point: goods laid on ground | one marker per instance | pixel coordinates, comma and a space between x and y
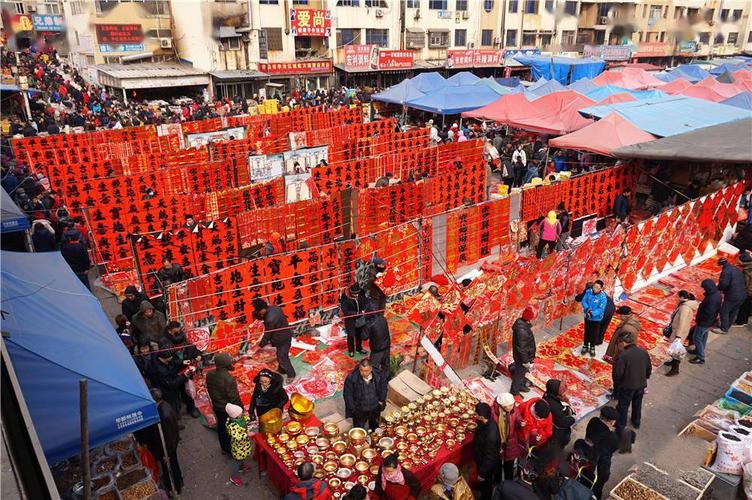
647, 481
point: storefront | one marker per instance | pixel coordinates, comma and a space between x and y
371, 66
152, 80
657, 53
309, 74
243, 82
482, 62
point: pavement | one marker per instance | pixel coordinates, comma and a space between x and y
667, 408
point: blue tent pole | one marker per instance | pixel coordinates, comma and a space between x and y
84, 410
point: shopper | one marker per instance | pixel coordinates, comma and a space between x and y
352, 307
521, 488
268, 393
394, 482
171, 431
379, 339
277, 332
593, 306
707, 313
629, 329
630, 375
237, 429
170, 273
308, 488
604, 441
565, 219
77, 256
550, 231
745, 262
523, 350
681, 321
365, 395
149, 324
562, 415
621, 205
536, 426
223, 390
486, 448
131, 302
507, 412
731, 283
187, 355
450, 485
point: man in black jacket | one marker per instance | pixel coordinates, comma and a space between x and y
565, 219
187, 354
379, 340
705, 318
170, 273
351, 305
222, 389
77, 256
365, 395
562, 415
166, 375
171, 430
731, 283
486, 448
132, 302
621, 205
630, 377
600, 434
523, 350
277, 332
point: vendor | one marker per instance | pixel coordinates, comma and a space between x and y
395, 482
450, 485
268, 393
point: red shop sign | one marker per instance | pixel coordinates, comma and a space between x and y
487, 57
473, 58
116, 34
395, 59
361, 57
459, 58
310, 22
295, 68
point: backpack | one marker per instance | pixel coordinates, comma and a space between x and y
572, 489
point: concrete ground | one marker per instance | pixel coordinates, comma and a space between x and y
667, 408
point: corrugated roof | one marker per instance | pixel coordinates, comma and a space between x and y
148, 70
238, 74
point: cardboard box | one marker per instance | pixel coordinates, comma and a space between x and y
343, 423
400, 394
414, 382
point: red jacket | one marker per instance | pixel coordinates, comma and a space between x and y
511, 448
536, 431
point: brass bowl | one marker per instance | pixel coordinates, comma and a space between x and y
317, 459
339, 446
294, 428
283, 438
271, 421
405, 410
344, 473
347, 460
349, 485
323, 443
451, 443
386, 453
368, 454
361, 466
298, 461
312, 450
280, 449
357, 435
363, 479
396, 417
386, 443
471, 426
460, 437
291, 445
444, 390
436, 393
407, 464
302, 439
401, 431
271, 440
300, 407
299, 454
312, 432
374, 470
440, 428
319, 474
412, 407
331, 429
454, 422
330, 455
402, 446
330, 466
449, 434
411, 437
335, 482
421, 431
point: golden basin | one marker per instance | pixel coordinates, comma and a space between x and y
331, 429
271, 421
294, 428
368, 454
330, 466
300, 407
335, 482
323, 443
386, 443
339, 446
361, 466
302, 439
357, 435
347, 460
312, 432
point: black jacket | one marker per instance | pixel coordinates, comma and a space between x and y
222, 389
486, 447
44, 241
632, 369
515, 489
562, 419
410, 480
523, 342
166, 377
565, 219
605, 441
172, 275
708, 310
131, 307
376, 297
351, 310
353, 390
77, 257
377, 333
621, 206
169, 420
731, 283
274, 397
277, 330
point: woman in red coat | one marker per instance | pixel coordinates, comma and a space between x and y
535, 426
507, 412
395, 483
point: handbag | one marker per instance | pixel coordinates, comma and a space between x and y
667, 331
360, 322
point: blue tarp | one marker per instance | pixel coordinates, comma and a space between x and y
690, 72
742, 100
719, 70
558, 68
583, 86
491, 84
512, 81
399, 94
427, 82
12, 219
607, 90
56, 334
463, 78
8, 87
535, 91
452, 100
671, 115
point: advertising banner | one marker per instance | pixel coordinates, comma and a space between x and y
48, 23
119, 34
310, 22
395, 59
297, 68
361, 57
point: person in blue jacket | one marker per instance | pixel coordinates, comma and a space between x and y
593, 306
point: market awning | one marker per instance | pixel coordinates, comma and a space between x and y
453, 100
741, 100
238, 75
543, 87
13, 219
555, 113
676, 86
150, 76
690, 72
398, 94
603, 136
426, 82
727, 142
505, 109
57, 334
583, 86
629, 78
561, 68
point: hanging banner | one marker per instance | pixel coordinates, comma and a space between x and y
473, 58
228, 134
395, 59
310, 22
301, 161
361, 57
459, 58
295, 68
48, 23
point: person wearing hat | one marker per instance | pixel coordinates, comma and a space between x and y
507, 413
523, 350
237, 430
604, 441
277, 332
450, 485
395, 482
131, 302
681, 322
268, 393
562, 416
486, 447
148, 323
308, 488
521, 488
352, 307
628, 330
550, 230
731, 284
167, 374
374, 293
745, 263
222, 389
593, 301
630, 376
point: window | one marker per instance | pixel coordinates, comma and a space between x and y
159, 33
104, 6
347, 37
600, 36
645, 10
737, 15
511, 38
549, 5
232, 43
528, 38
570, 8
567, 37
378, 37
724, 15
719, 39
531, 6
604, 9
157, 7
77, 8
709, 14
705, 37
639, 36
274, 38
545, 39
413, 4
486, 38
662, 37
48, 8
381, 4
732, 38
437, 4
263, 45
19, 7
438, 39
749, 37
678, 11
513, 6
460, 38
269, 2
488, 5
300, 2
460, 5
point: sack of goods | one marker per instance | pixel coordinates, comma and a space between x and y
677, 350
730, 456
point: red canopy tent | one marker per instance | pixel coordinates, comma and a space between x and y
617, 98
629, 78
603, 136
556, 113
676, 86
725, 89
701, 92
742, 75
506, 108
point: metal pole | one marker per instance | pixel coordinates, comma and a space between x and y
167, 460
569, 259
417, 348
85, 465
27, 108
125, 97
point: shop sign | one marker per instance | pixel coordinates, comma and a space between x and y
118, 34
361, 57
125, 47
395, 59
310, 22
473, 58
48, 23
687, 47
510, 54
652, 49
21, 23
608, 52
296, 68
725, 49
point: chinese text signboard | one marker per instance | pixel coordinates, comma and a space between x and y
608, 52
361, 57
473, 58
395, 59
652, 49
310, 22
295, 68
48, 23
119, 34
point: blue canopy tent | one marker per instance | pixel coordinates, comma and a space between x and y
428, 82
719, 70
511, 81
534, 91
741, 100
690, 72
491, 84
399, 94
583, 86
607, 90
463, 78
56, 334
452, 100
12, 218
671, 115
558, 68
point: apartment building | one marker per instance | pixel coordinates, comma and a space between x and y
29, 20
